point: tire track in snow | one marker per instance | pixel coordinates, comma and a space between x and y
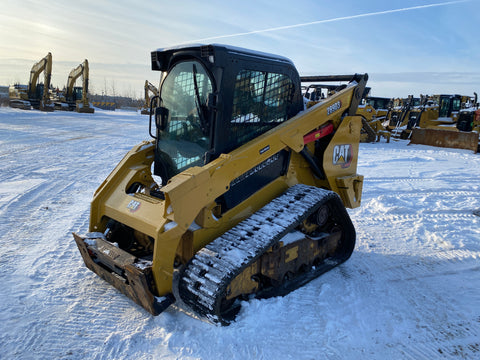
445, 216
437, 264
57, 291
422, 259
47, 260
43, 145
423, 193
400, 179
79, 291
436, 327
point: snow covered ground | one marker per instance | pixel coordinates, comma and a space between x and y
411, 289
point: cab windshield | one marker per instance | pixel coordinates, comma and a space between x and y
184, 139
445, 104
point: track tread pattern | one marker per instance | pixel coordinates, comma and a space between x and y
206, 277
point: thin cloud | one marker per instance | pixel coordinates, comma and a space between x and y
329, 20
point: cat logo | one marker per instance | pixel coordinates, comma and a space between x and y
343, 155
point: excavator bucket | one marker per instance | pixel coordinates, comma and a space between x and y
445, 138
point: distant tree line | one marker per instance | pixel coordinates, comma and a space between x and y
120, 101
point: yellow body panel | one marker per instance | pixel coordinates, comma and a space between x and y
430, 119
367, 111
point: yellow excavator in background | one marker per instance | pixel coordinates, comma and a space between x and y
77, 96
149, 88
34, 95
242, 192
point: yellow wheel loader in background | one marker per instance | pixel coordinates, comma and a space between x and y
240, 194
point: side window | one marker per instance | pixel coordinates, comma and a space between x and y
261, 101
247, 96
456, 104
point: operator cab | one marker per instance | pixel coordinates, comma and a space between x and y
449, 104
378, 102
215, 98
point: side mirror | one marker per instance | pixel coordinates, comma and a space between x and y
152, 101
161, 117
213, 101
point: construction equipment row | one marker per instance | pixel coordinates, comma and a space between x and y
439, 120
446, 120
42, 96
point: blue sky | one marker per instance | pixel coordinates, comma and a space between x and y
407, 47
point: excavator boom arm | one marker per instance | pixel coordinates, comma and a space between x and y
44, 65
149, 88
83, 71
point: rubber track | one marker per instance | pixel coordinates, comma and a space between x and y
206, 277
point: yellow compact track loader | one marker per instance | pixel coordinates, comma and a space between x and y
240, 194
381, 106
